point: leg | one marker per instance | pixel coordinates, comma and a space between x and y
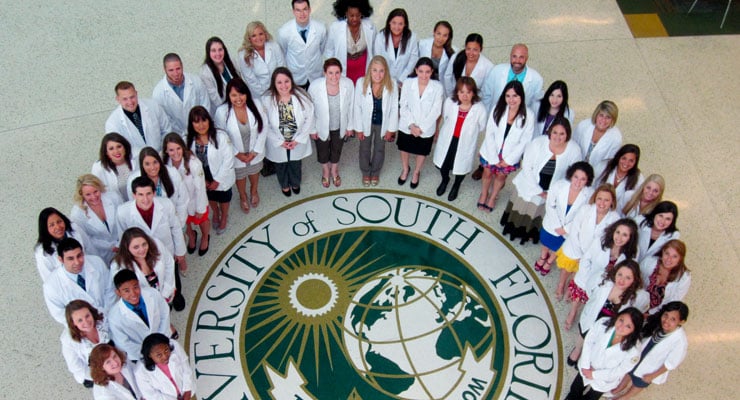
417, 169
623, 385
575, 306
254, 180
365, 156
378, 152
281, 170
544, 255
575, 354
485, 187
294, 175
455, 187
564, 277
634, 390
499, 180
445, 174
576, 388
216, 214
404, 168
325, 174
224, 209
241, 187
205, 231
192, 237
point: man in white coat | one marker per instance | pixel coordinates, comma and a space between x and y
140, 312
303, 40
516, 69
81, 278
178, 92
141, 121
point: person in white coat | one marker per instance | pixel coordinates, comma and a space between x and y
139, 312
141, 121
508, 131
214, 150
375, 118
244, 121
290, 122
86, 328
178, 92
177, 155
657, 228
598, 136
623, 173
350, 39
421, 106
53, 226
94, 213
113, 375
666, 276
463, 119
303, 40
167, 181
516, 69
664, 347
439, 48
81, 278
398, 45
115, 163
645, 197
467, 62
332, 98
611, 349
258, 57
164, 372
217, 71
553, 105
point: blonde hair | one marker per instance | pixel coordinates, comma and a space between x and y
387, 82
637, 196
609, 108
86, 180
247, 45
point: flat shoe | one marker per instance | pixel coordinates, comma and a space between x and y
324, 182
374, 181
255, 200
366, 181
337, 181
245, 206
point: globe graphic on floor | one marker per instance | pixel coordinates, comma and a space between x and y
408, 329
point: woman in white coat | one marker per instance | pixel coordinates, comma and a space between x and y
113, 376
598, 136
94, 213
244, 121
657, 228
351, 38
623, 173
290, 122
332, 98
86, 328
258, 57
150, 260
217, 71
553, 105
611, 349
115, 164
375, 118
666, 277
463, 119
664, 347
439, 48
53, 226
214, 150
398, 45
167, 181
164, 372
467, 62
509, 129
645, 198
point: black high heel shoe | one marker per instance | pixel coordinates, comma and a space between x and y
202, 252
402, 181
414, 185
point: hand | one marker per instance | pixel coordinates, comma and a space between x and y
182, 263
360, 136
115, 249
588, 373
314, 136
389, 136
560, 231
286, 145
213, 185
199, 215
349, 133
543, 195
415, 130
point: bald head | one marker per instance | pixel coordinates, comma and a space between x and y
519, 56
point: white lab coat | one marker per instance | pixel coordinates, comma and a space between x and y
420, 109
76, 354
478, 74
155, 385
165, 225
670, 352
258, 74
593, 262
556, 206
304, 119
402, 64
336, 41
474, 124
195, 185
623, 194
609, 362
603, 151
225, 119
128, 331
519, 136
539, 126
674, 291
646, 249
154, 120
425, 50
597, 294
363, 112
46, 263
110, 178
320, 98
102, 237
497, 78
114, 391
221, 160
164, 268
585, 230
179, 199
536, 154
194, 94
304, 59
209, 82
60, 289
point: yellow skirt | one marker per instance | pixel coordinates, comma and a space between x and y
565, 262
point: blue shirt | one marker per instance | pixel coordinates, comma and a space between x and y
518, 77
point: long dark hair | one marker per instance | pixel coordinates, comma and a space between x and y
421, 62
164, 175
148, 344
662, 207
459, 63
241, 87
199, 113
214, 69
630, 248
630, 340
45, 239
630, 293
544, 110
633, 175
125, 259
501, 105
448, 44
103, 156
405, 35
175, 138
653, 325
297, 91
75, 305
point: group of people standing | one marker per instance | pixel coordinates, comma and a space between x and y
167, 167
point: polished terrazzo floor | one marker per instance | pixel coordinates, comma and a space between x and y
677, 97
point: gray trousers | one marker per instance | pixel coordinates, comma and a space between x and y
372, 152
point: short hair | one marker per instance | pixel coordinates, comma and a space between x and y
76, 305
332, 62
469, 82
609, 108
123, 276
660, 208
608, 188
171, 57
630, 248
98, 355
142, 181
124, 85
561, 121
653, 325
148, 344
86, 180
293, 3
106, 162
633, 338
67, 244
340, 7
45, 239
581, 166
